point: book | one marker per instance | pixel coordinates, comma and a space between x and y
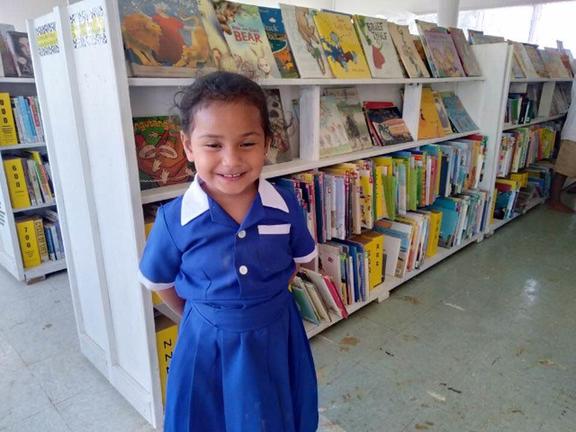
246, 37
20, 48
536, 60
413, 64
17, 184
467, 57
8, 134
28, 239
280, 148
423, 26
7, 66
430, 125
477, 37
378, 47
333, 135
341, 45
457, 114
165, 39
523, 60
386, 123
443, 54
221, 54
442, 114
160, 154
304, 301
553, 62
305, 41
278, 39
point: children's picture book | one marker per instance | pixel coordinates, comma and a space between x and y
280, 149
165, 39
305, 41
221, 54
552, 59
536, 60
278, 39
477, 37
7, 66
20, 48
341, 45
442, 114
430, 125
378, 47
457, 114
443, 54
386, 123
246, 37
161, 158
415, 67
524, 63
423, 26
469, 62
333, 135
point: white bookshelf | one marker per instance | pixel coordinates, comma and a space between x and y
89, 112
10, 254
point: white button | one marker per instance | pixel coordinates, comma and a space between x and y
243, 270
242, 234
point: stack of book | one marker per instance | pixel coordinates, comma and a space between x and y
40, 238
21, 122
29, 180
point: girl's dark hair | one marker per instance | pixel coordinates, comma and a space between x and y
220, 86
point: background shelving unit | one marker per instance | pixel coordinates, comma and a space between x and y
10, 255
89, 112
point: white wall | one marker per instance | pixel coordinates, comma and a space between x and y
16, 12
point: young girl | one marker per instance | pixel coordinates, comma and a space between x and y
222, 255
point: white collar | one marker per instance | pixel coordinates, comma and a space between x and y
195, 200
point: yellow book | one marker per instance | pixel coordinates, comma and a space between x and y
512, 183
8, 134
15, 176
341, 45
374, 247
41, 239
166, 335
520, 178
28, 243
379, 201
434, 237
430, 125
366, 194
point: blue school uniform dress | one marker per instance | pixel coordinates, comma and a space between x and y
242, 362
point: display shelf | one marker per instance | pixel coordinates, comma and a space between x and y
508, 126
25, 146
44, 269
499, 223
16, 80
540, 80
295, 166
36, 207
182, 82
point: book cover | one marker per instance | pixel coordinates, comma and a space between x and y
442, 114
246, 37
378, 47
17, 184
305, 41
423, 26
8, 133
20, 48
457, 113
333, 135
469, 62
7, 66
523, 59
536, 60
430, 125
304, 303
28, 242
161, 158
387, 123
413, 64
341, 45
278, 39
165, 39
280, 149
443, 54
221, 54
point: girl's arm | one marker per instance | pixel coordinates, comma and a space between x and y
172, 300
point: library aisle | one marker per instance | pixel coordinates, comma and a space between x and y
480, 342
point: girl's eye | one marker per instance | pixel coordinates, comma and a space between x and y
248, 144
213, 145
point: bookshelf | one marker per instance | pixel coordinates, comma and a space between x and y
10, 252
89, 113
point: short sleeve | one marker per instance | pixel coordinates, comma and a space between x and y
301, 241
160, 263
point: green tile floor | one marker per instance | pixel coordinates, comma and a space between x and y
485, 342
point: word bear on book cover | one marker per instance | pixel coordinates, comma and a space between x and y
161, 158
165, 39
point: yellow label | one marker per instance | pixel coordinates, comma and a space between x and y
28, 243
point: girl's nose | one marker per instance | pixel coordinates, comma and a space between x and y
231, 157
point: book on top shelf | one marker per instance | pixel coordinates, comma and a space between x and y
305, 41
443, 53
534, 57
378, 47
566, 57
20, 49
423, 26
469, 62
165, 39
415, 67
246, 37
553, 62
477, 37
278, 39
161, 157
221, 54
7, 65
341, 45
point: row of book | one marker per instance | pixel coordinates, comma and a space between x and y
40, 238
20, 120
516, 192
524, 146
198, 36
520, 109
15, 58
29, 179
342, 200
531, 62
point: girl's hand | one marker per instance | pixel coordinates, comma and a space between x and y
172, 300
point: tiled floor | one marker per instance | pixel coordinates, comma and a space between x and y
482, 342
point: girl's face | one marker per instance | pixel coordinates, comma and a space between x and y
228, 147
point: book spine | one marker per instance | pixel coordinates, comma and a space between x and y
33, 105
8, 132
28, 243
49, 242
41, 239
32, 176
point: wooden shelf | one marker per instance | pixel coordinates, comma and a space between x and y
182, 82
508, 126
44, 269
298, 165
23, 146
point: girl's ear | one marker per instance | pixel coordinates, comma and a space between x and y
187, 144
